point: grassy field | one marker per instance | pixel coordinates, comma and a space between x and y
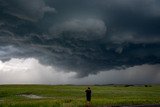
74, 96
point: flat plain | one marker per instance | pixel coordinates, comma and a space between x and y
74, 96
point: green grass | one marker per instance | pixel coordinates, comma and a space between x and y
74, 96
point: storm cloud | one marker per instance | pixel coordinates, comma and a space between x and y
85, 37
88, 29
26, 10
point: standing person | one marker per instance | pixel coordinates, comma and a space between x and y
88, 94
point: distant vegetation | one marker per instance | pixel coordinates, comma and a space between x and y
74, 96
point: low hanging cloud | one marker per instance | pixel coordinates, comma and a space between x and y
85, 29
30, 71
144, 74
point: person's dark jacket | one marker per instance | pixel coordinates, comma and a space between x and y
88, 94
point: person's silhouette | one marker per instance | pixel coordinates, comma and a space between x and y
88, 94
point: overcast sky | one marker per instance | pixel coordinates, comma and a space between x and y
79, 41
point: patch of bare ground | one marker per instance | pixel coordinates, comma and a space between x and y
31, 96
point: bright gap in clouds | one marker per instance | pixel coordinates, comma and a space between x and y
30, 71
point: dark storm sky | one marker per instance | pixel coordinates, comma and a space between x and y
84, 36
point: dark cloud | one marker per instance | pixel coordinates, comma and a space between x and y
83, 36
88, 29
27, 10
